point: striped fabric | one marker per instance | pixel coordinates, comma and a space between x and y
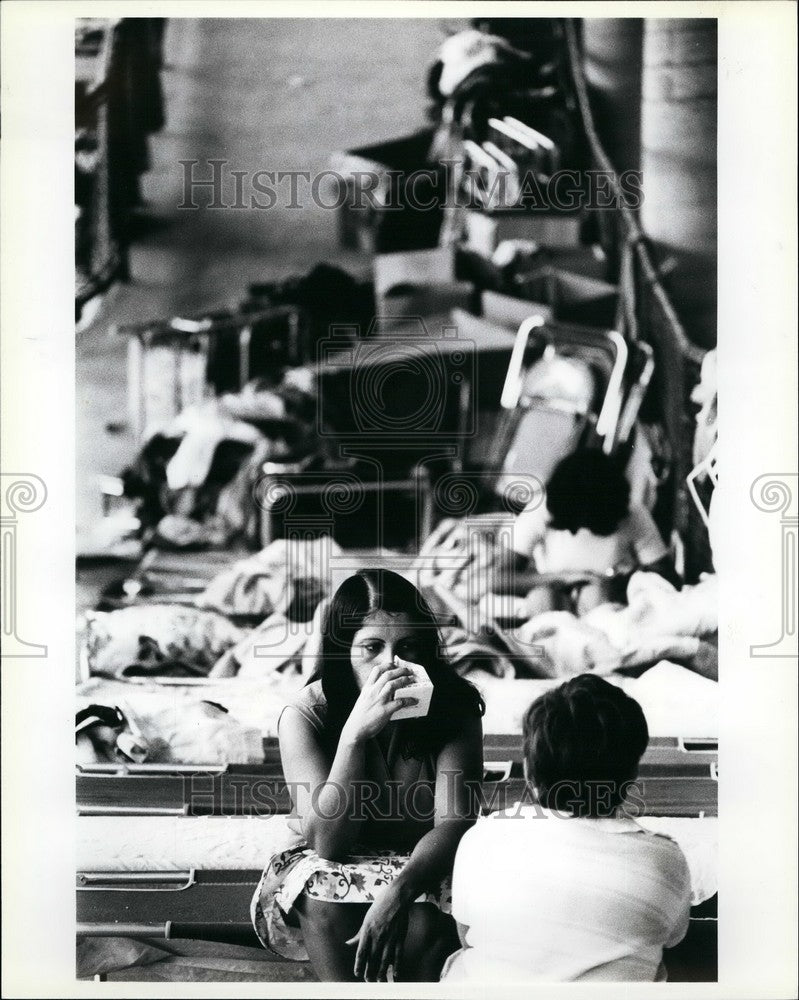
550, 898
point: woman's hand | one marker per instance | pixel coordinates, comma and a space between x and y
376, 703
382, 936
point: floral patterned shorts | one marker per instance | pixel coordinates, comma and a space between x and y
299, 869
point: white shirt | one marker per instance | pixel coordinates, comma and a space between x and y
636, 542
550, 898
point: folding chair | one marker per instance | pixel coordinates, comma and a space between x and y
540, 431
168, 360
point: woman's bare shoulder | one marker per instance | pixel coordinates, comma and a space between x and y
309, 703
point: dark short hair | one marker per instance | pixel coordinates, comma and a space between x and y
588, 489
583, 742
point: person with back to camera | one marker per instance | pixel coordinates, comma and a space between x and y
586, 525
379, 804
567, 889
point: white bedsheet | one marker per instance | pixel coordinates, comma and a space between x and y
178, 843
675, 701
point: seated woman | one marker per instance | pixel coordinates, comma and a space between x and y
586, 530
379, 804
582, 893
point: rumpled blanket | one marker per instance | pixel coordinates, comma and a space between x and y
467, 654
286, 572
658, 623
562, 644
201, 732
254, 703
254, 403
201, 429
276, 646
155, 639
459, 555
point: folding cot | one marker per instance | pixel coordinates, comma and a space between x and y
224, 811
173, 851
677, 777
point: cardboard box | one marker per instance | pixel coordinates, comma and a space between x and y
425, 300
414, 267
588, 261
511, 312
486, 230
421, 689
377, 210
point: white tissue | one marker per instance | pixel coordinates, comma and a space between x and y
421, 689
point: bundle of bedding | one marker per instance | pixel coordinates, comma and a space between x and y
168, 731
168, 640
287, 572
206, 722
193, 479
460, 556
278, 646
658, 623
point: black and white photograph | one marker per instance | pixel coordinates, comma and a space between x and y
410, 633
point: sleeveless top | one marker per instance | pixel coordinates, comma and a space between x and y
398, 798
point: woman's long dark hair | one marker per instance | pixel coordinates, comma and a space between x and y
454, 698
